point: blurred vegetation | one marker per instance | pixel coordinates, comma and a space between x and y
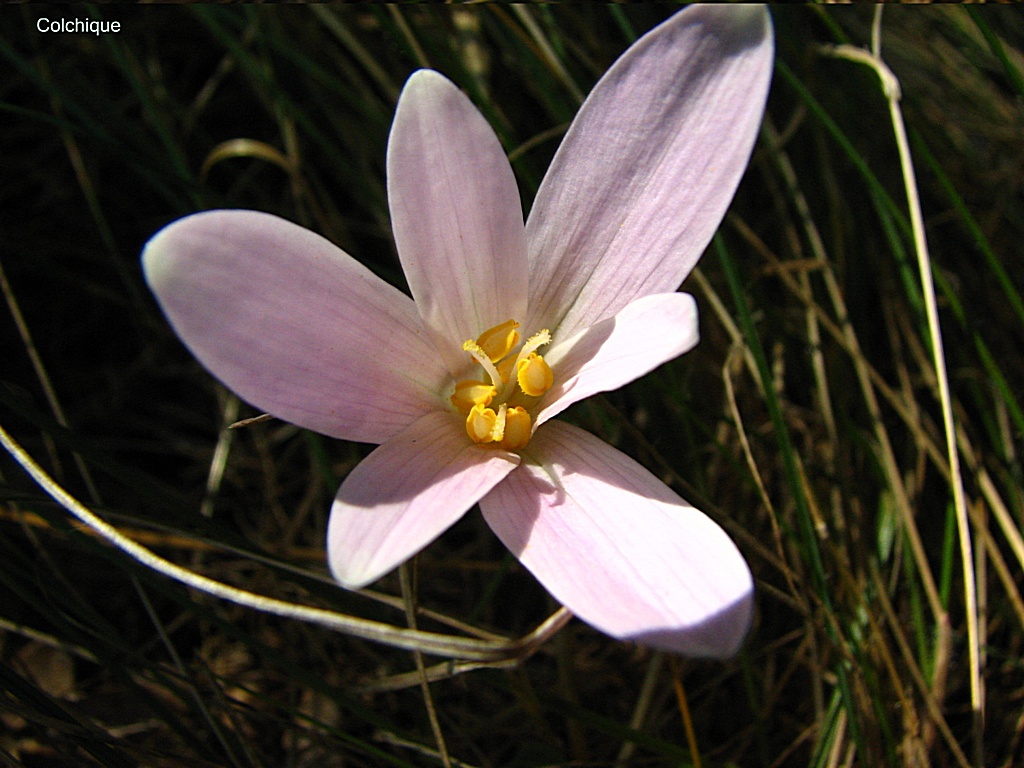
807, 421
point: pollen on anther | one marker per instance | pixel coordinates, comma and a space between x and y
471, 392
490, 417
480, 424
517, 429
498, 341
534, 375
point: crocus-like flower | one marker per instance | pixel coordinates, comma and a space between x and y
507, 326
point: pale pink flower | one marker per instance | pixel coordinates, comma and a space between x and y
580, 300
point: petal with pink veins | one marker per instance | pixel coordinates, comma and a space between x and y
616, 351
619, 549
651, 162
456, 215
294, 325
407, 493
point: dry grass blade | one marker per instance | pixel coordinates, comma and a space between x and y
891, 90
426, 642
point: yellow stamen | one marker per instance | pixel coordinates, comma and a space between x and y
534, 375
498, 341
517, 429
531, 346
480, 424
471, 392
506, 425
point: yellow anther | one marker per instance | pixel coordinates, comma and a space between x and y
517, 429
480, 424
534, 375
471, 392
508, 426
498, 341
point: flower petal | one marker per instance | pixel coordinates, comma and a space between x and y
294, 325
619, 549
456, 215
643, 177
606, 356
405, 494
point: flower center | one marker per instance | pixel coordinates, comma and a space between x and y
511, 382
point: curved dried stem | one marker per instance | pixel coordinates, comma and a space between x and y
449, 646
891, 90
